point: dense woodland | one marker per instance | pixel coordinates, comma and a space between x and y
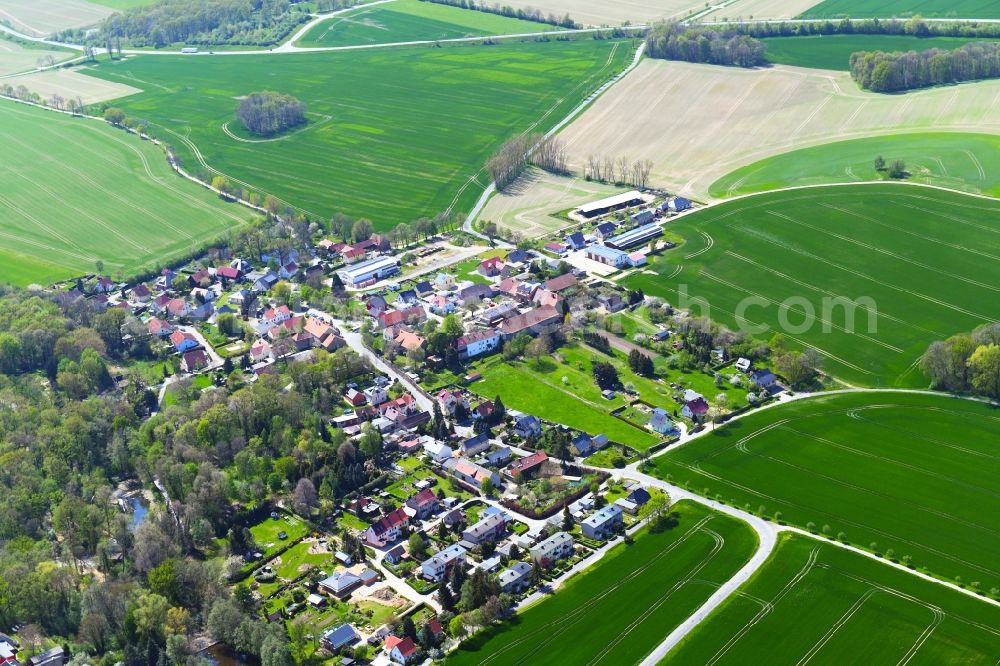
248, 22
268, 113
967, 363
674, 41
891, 72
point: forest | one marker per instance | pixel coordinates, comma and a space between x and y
892, 72
674, 41
966, 363
237, 22
268, 113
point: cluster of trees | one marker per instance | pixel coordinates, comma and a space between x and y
915, 26
508, 163
349, 230
966, 363
618, 170
597, 341
267, 113
528, 14
641, 364
889, 72
550, 154
247, 22
675, 41
897, 169
605, 375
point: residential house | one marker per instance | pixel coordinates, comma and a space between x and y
633, 501
159, 327
556, 248
496, 314
104, 285
583, 445
410, 341
491, 528
260, 351
437, 567
275, 316
483, 410
376, 305
388, 529
576, 241
355, 397
659, 421
763, 379
424, 288
395, 554
57, 656
695, 409
265, 283
477, 343
242, 298
474, 445
471, 473
376, 395
340, 584
228, 273
516, 579
642, 217
288, 271
499, 457
557, 547
442, 305
517, 256
423, 504
561, 283
183, 341
493, 267
544, 297
178, 307
612, 302
532, 322
527, 466
603, 523
406, 297
141, 293
193, 361
527, 426
509, 287
401, 650
743, 364
678, 204
449, 400
474, 294
605, 230
392, 318
203, 311
339, 637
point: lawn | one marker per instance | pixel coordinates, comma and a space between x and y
834, 51
265, 533
905, 8
947, 159
125, 207
617, 611
920, 263
412, 20
393, 134
538, 388
911, 473
815, 601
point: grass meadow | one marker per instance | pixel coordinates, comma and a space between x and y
925, 261
913, 473
621, 608
905, 8
74, 191
816, 602
947, 159
412, 20
834, 51
393, 134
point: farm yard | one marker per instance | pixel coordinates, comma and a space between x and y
812, 600
905, 475
621, 608
904, 9
373, 146
412, 20
947, 159
125, 207
925, 260
834, 51
699, 122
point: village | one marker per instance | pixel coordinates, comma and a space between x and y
515, 499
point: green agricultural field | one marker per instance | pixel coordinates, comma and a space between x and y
75, 191
918, 264
914, 473
947, 159
393, 134
905, 8
620, 609
834, 51
412, 20
818, 602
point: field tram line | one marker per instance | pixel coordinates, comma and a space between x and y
764, 612
568, 619
855, 413
720, 543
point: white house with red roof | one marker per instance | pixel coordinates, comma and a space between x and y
387, 529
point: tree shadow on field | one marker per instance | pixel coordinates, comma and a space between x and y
523, 183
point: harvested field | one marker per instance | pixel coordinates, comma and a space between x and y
761, 9
40, 18
15, 57
531, 205
72, 83
603, 12
699, 122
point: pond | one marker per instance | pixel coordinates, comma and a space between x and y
140, 510
221, 654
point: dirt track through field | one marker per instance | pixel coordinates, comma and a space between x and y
697, 123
